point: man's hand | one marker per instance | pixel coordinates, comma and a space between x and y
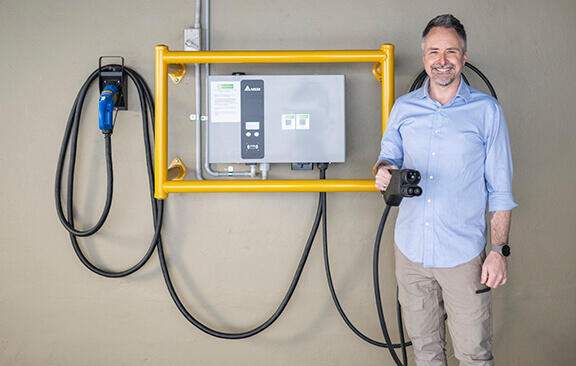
494, 270
383, 176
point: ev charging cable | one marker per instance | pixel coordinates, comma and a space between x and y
375, 270
379, 307
274, 316
70, 144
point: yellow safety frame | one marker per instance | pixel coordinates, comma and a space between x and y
383, 70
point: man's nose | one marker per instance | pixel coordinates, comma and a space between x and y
442, 60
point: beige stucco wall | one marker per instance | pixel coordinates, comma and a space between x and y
231, 272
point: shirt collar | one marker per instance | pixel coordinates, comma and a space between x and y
463, 90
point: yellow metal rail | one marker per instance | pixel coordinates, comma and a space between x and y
334, 185
383, 70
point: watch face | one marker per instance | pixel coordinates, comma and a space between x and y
505, 250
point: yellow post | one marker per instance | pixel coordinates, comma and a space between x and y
161, 142
387, 83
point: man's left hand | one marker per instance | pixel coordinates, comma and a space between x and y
494, 270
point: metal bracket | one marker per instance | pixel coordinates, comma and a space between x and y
176, 170
377, 71
176, 72
192, 39
113, 74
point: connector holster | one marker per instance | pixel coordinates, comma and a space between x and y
114, 74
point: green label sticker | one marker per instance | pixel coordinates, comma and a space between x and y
288, 121
303, 121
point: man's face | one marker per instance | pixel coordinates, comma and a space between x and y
443, 56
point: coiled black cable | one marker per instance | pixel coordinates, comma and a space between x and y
484, 78
71, 138
273, 317
70, 144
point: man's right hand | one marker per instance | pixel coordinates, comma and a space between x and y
383, 176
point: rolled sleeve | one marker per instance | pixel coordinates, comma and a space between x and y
498, 168
501, 201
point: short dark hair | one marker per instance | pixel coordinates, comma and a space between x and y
447, 21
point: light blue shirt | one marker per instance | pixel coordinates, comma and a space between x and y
462, 151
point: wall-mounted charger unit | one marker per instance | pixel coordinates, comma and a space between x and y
276, 119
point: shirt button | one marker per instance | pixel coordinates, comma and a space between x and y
427, 224
429, 201
433, 154
436, 131
431, 177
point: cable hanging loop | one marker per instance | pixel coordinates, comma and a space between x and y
69, 145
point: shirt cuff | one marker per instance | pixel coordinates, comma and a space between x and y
501, 201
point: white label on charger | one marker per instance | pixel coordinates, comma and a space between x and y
288, 121
225, 101
302, 121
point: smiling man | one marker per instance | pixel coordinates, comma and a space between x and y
457, 138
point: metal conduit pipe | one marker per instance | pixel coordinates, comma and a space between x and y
197, 14
206, 85
264, 169
198, 102
207, 166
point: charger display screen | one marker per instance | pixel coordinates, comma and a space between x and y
252, 125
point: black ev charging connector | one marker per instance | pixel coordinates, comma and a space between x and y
404, 183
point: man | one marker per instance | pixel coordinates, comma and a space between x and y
457, 138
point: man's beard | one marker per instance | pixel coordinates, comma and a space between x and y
451, 77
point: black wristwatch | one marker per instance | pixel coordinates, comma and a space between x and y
502, 249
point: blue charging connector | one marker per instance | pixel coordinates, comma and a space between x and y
108, 99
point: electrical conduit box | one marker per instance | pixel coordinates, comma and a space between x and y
276, 119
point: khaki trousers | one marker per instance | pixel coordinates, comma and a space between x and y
427, 294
